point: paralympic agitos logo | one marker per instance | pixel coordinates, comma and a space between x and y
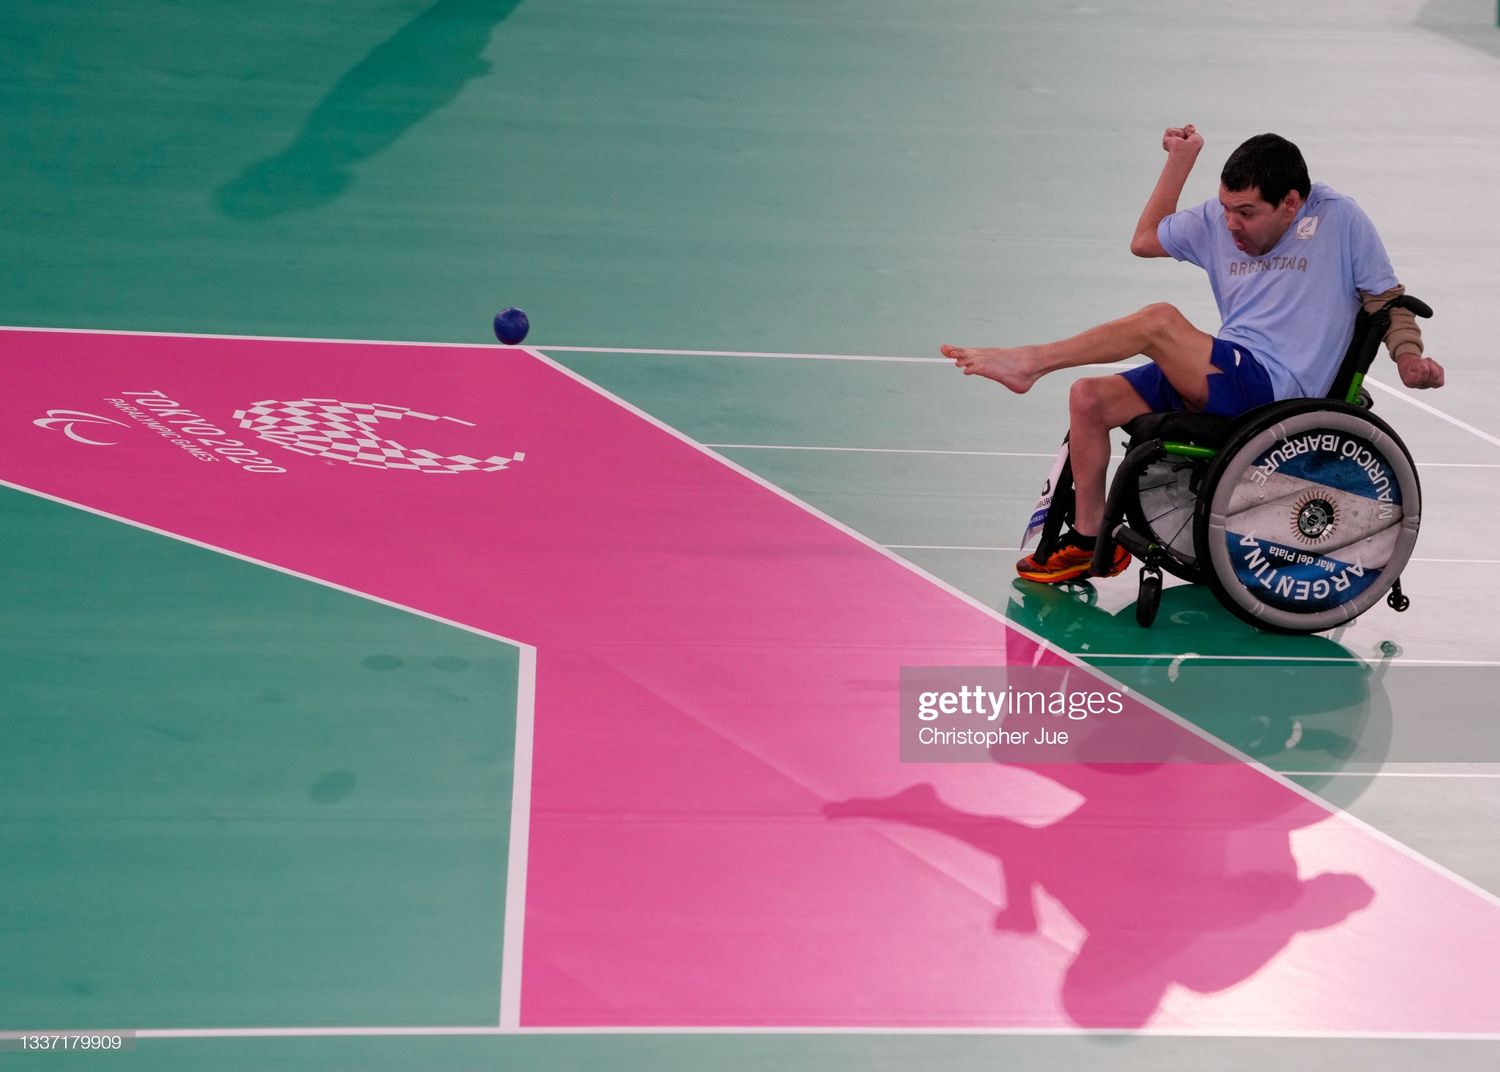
70, 421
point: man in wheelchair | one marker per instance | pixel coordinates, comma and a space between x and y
1291, 264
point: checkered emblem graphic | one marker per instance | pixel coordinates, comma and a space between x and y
344, 432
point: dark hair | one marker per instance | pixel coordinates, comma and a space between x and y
1270, 163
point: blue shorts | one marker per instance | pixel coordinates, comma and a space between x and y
1240, 384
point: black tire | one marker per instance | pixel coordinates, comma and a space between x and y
1148, 600
1308, 515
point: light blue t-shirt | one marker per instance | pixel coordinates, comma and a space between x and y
1294, 307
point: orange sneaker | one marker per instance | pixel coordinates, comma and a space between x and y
1068, 563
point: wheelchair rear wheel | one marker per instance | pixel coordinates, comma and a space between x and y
1308, 515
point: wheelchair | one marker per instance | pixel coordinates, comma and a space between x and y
1298, 515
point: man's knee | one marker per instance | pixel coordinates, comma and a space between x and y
1089, 399
1103, 401
1162, 320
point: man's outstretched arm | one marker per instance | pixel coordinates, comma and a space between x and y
1182, 145
1403, 339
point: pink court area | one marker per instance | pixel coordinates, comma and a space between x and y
722, 832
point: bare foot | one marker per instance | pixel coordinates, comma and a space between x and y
1006, 365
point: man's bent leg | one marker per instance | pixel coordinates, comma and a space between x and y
1158, 331
1096, 406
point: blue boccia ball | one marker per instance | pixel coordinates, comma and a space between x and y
511, 326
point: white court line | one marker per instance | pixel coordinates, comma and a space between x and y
777, 355
1410, 399
743, 353
1352, 659
945, 547
1009, 550
520, 842
1391, 774
935, 1032
1003, 453
887, 450
1461, 561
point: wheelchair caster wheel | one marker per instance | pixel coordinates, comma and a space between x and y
1398, 600
1148, 599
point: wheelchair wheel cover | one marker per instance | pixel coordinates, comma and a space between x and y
1163, 510
1308, 516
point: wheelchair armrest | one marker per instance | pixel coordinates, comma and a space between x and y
1416, 305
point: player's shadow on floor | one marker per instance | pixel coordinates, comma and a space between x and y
1470, 23
412, 74
1204, 902
1179, 868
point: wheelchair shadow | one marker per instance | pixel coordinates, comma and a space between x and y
1326, 719
1177, 873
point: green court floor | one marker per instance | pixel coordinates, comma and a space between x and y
222, 783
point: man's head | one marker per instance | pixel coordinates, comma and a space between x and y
1262, 187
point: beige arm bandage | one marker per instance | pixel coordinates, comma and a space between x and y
1403, 336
